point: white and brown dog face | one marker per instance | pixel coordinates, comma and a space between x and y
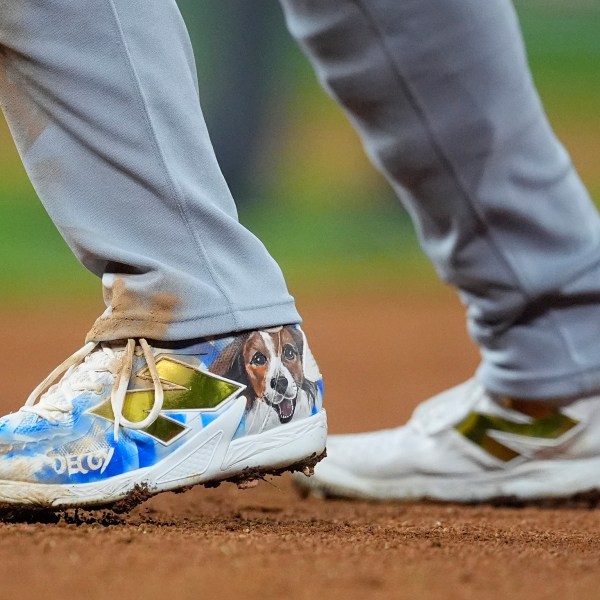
273, 364
270, 364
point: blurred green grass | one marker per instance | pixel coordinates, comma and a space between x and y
327, 216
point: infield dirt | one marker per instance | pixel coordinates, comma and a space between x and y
381, 353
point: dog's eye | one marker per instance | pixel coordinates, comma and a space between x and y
289, 352
259, 359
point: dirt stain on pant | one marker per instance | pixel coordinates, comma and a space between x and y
26, 121
134, 315
20, 73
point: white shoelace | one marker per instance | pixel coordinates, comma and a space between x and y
52, 396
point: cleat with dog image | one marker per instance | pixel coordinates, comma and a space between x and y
280, 375
118, 417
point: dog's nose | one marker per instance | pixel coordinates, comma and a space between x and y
279, 384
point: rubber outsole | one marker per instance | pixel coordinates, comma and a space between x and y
140, 494
580, 496
210, 457
589, 499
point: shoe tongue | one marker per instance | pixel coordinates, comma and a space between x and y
107, 357
94, 369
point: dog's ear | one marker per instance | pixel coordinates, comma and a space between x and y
227, 364
231, 366
309, 387
297, 337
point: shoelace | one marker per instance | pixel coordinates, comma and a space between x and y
43, 404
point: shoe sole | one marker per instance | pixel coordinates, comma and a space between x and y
210, 457
551, 482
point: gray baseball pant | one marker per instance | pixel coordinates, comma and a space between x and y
102, 99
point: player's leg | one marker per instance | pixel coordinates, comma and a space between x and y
101, 97
102, 100
441, 95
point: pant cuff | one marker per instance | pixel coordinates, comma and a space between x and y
111, 327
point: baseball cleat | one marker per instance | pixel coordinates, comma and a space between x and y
118, 422
467, 445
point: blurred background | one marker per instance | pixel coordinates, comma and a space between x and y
291, 158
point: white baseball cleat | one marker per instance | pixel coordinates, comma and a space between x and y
467, 445
120, 422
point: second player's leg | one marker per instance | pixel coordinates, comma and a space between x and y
441, 95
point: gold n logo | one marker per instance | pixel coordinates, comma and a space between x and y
185, 388
546, 423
